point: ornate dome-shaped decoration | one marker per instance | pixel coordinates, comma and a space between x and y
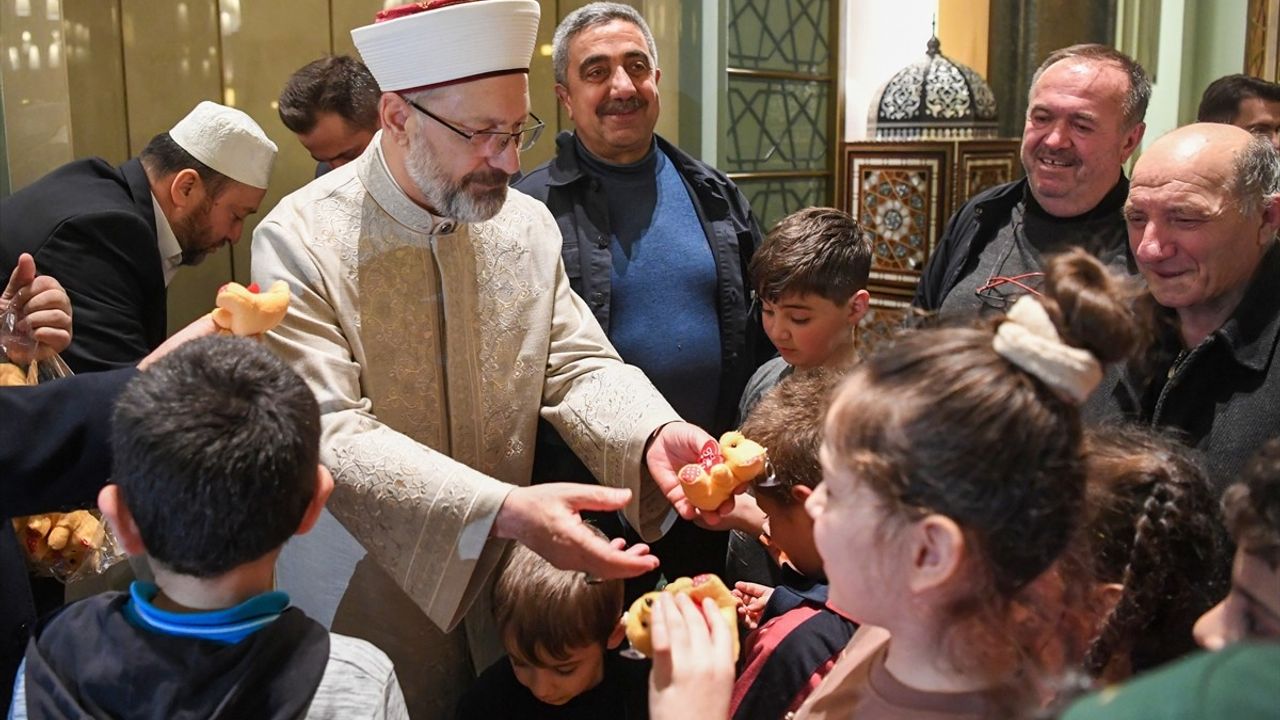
934, 98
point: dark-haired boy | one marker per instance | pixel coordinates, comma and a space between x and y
560, 633
215, 467
810, 274
797, 636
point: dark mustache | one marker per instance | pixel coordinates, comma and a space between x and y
486, 177
613, 107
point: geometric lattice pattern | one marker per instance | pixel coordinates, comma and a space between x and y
893, 211
788, 35
904, 192
772, 199
777, 143
776, 124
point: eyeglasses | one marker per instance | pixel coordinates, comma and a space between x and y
491, 142
999, 301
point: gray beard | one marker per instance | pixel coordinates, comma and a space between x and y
450, 199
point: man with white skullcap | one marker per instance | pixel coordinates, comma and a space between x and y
432, 317
115, 237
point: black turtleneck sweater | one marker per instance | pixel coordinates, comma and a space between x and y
1020, 246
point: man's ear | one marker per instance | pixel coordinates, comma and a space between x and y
117, 513
657, 75
324, 488
1270, 219
562, 94
1131, 141
619, 632
937, 553
186, 190
393, 114
858, 305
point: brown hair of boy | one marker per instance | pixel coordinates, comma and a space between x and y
547, 613
1152, 527
818, 251
942, 423
788, 421
1252, 506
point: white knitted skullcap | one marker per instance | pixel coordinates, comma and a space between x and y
228, 141
415, 47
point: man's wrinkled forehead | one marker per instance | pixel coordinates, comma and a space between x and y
1095, 78
585, 42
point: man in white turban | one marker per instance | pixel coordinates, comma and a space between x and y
115, 236
432, 316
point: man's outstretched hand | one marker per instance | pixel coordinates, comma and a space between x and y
546, 518
677, 444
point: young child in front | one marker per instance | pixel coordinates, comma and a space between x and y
810, 275
795, 635
560, 632
953, 478
215, 466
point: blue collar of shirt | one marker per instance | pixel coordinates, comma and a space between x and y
229, 625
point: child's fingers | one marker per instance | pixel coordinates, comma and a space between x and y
720, 640
659, 627
687, 628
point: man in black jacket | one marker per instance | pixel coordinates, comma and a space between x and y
114, 237
656, 242
1084, 119
1202, 214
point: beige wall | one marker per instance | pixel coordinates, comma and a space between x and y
962, 30
33, 82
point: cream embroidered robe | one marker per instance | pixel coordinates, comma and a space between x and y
432, 347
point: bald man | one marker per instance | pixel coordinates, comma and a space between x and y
1202, 215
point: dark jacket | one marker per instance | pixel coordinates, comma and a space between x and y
1223, 396
581, 210
970, 230
55, 454
88, 660
93, 227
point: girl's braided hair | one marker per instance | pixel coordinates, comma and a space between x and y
1152, 526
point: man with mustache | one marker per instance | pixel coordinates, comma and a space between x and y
115, 237
432, 317
1084, 119
656, 242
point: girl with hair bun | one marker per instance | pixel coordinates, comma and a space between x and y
953, 478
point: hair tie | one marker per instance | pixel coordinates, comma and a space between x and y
1027, 338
